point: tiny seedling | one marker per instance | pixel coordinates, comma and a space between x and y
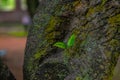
67, 45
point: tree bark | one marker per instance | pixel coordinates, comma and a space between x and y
96, 23
5, 74
32, 5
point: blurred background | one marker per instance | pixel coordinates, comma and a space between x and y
14, 17
14, 23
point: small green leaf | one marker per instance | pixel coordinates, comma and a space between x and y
60, 45
71, 41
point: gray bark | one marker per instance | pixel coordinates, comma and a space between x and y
96, 23
5, 74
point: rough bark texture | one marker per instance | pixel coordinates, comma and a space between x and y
96, 23
32, 5
5, 74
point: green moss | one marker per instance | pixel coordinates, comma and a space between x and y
103, 2
110, 72
39, 54
49, 36
108, 54
52, 23
93, 10
30, 65
114, 43
78, 78
50, 29
114, 20
76, 3
90, 12
114, 52
99, 8
111, 31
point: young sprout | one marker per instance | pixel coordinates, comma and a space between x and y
69, 43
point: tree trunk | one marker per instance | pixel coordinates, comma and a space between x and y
5, 74
32, 5
96, 24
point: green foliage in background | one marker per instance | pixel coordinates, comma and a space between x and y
7, 5
18, 34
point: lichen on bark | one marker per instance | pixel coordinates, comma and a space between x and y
95, 53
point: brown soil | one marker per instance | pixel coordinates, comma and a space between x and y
15, 54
